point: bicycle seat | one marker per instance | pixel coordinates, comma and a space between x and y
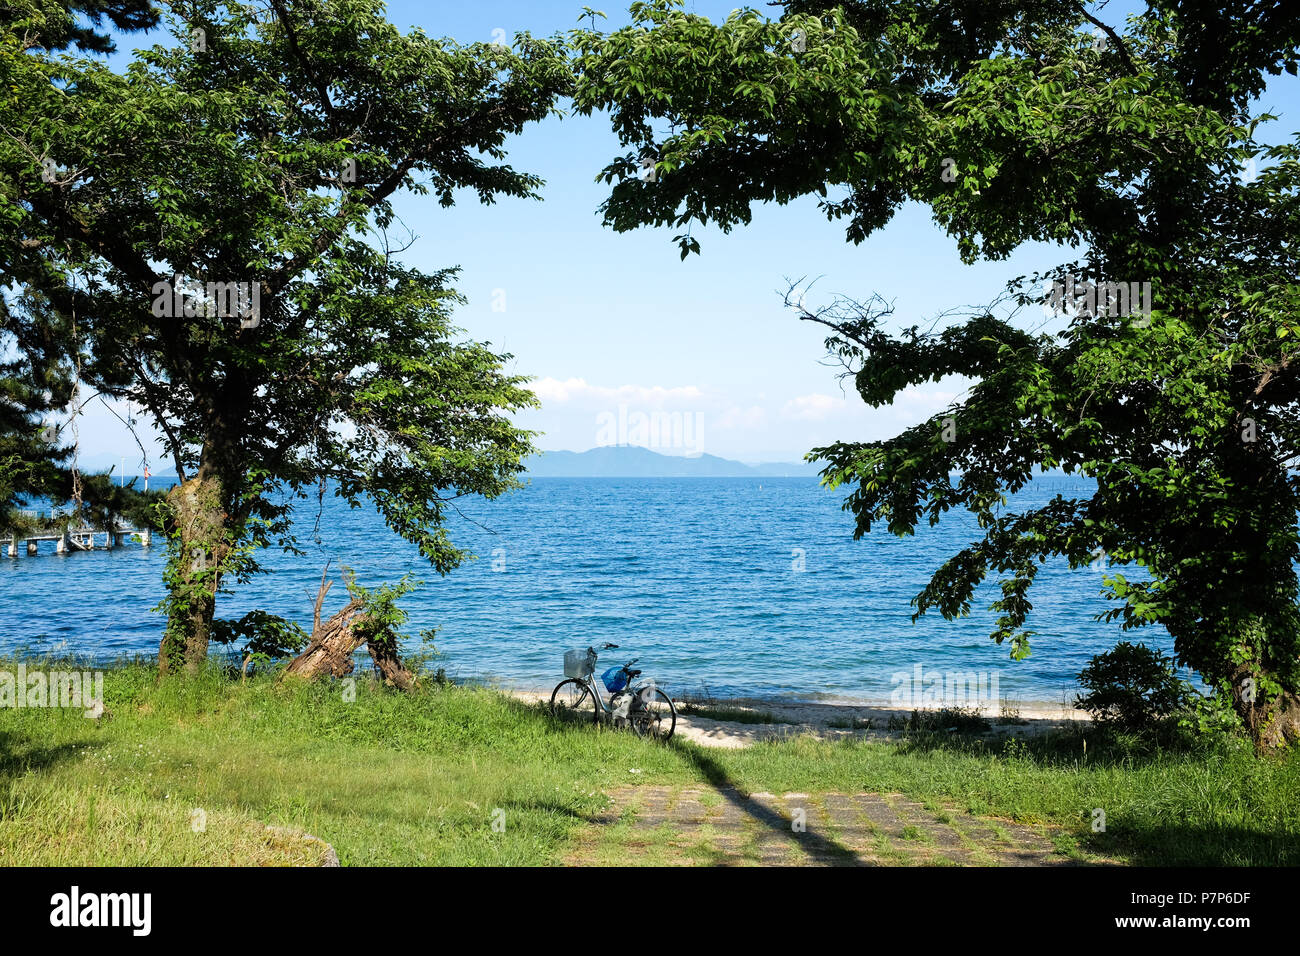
633, 673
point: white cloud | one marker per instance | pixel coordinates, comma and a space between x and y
813, 408
578, 390
911, 402
732, 422
736, 417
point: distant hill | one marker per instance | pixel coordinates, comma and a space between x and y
104, 461
607, 461
633, 461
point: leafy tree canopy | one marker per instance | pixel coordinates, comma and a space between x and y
59, 24
1017, 121
207, 235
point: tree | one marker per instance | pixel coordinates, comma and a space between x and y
1133, 687
37, 374
209, 234
1019, 121
59, 24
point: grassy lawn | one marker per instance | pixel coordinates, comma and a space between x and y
738, 715
419, 779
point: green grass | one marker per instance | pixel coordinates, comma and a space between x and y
410, 779
855, 723
965, 719
736, 715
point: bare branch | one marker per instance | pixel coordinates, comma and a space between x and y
1114, 38
325, 586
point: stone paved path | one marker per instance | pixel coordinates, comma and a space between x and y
699, 825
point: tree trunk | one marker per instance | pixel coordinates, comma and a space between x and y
1265, 652
384, 654
199, 534
1272, 718
1265, 655
332, 646
334, 642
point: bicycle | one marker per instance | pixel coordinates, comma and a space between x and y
644, 707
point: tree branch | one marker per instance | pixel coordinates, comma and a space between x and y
1114, 38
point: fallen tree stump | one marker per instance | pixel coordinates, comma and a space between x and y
335, 641
388, 664
332, 646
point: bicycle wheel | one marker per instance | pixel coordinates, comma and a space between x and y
653, 714
573, 697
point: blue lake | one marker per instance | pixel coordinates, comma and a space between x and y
697, 577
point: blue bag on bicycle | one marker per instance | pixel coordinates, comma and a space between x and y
615, 679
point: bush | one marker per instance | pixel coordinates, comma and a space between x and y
1209, 716
961, 719
268, 637
1132, 686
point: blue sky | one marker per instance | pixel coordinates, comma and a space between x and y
608, 323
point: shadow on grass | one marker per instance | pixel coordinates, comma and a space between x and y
551, 807
1164, 830
1157, 835
819, 847
1080, 744
1192, 845
17, 757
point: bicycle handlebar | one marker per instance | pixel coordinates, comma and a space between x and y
611, 647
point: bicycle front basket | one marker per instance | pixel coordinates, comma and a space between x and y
579, 663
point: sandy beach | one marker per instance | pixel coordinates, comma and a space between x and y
833, 720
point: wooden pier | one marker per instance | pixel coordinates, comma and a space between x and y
78, 539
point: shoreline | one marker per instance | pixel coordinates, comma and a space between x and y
1037, 708
734, 722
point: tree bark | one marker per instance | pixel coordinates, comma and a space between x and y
199, 543
387, 663
334, 642
332, 646
1248, 617
1273, 720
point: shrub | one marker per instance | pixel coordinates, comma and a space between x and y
267, 637
1132, 686
1207, 716
962, 719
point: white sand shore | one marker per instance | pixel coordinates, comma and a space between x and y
838, 719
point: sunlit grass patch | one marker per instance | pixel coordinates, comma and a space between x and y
470, 776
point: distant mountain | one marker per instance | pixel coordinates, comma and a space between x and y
607, 461
105, 461
633, 461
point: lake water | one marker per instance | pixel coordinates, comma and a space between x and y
700, 578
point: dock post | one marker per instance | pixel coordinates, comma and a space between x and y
146, 537
108, 539
62, 546
13, 546
31, 546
